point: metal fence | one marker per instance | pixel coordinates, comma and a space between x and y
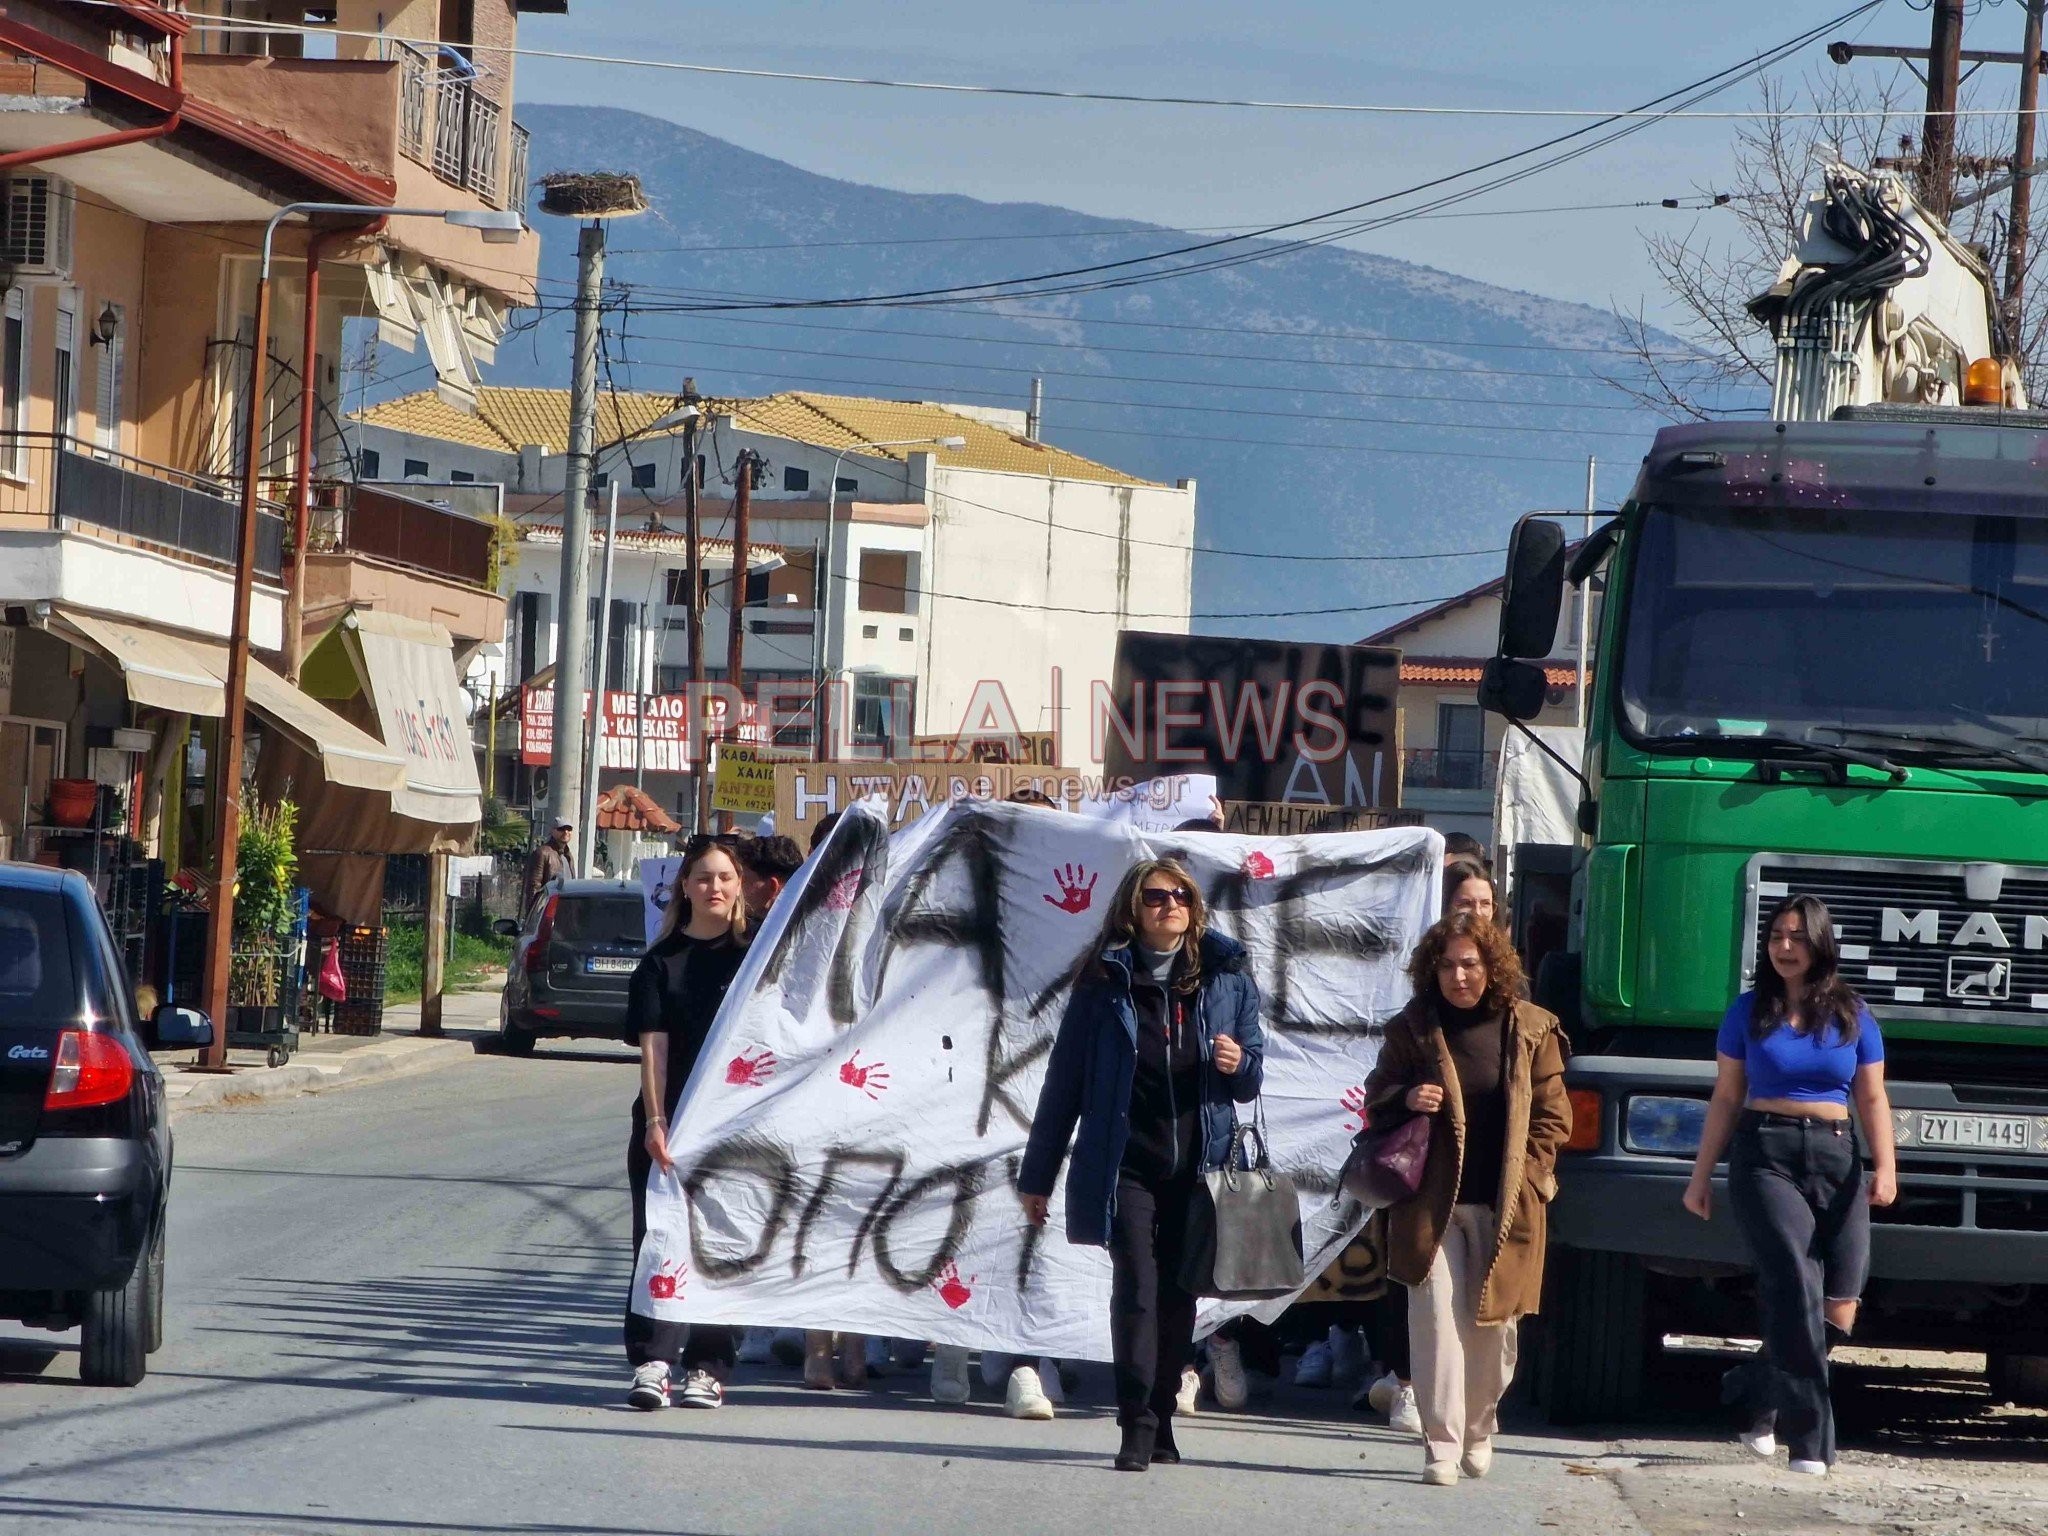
455, 130
1433, 768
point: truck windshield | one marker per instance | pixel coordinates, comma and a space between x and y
1924, 635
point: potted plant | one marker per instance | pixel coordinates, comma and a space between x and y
266, 860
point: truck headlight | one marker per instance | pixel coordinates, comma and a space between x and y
1663, 1127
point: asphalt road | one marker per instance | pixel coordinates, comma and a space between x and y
396, 1307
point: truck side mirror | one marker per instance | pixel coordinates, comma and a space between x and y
1532, 596
1514, 689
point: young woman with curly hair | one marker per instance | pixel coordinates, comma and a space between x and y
1488, 1068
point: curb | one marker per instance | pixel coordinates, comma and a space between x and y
370, 1063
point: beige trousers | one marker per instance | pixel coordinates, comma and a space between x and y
1461, 1369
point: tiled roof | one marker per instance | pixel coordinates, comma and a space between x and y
507, 419
1459, 669
667, 538
626, 809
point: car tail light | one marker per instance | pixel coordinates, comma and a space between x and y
1586, 1127
91, 1069
543, 936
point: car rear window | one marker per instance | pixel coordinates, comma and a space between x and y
600, 920
38, 983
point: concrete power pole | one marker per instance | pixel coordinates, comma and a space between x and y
572, 633
700, 747
748, 469
2023, 181
1937, 187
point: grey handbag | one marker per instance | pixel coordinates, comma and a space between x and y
1244, 1226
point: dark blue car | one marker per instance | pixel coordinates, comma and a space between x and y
85, 1141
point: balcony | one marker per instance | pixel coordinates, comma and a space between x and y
369, 547
1434, 768
51, 480
446, 124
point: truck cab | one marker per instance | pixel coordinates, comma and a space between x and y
1822, 668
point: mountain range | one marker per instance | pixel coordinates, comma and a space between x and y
1329, 402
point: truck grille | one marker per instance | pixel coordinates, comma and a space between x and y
1921, 939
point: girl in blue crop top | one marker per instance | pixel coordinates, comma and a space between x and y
1793, 1056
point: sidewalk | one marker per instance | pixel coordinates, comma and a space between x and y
469, 1020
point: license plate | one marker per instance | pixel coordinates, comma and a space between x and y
609, 965
2003, 1133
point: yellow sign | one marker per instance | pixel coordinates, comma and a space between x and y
743, 783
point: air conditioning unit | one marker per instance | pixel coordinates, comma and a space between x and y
35, 226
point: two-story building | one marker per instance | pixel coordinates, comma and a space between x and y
143, 149
938, 566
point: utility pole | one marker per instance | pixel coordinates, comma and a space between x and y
749, 468
2022, 183
572, 634
1944, 86
1585, 601
700, 761
593, 760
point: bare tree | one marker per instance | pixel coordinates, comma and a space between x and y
1735, 251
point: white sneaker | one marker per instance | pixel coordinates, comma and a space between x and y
1025, 1398
1810, 1468
1226, 1366
754, 1346
1186, 1402
1049, 1379
1313, 1368
1347, 1354
1380, 1395
1405, 1416
1441, 1474
1478, 1459
949, 1375
701, 1389
995, 1369
650, 1386
1763, 1443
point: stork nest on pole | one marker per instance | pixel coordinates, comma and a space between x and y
591, 195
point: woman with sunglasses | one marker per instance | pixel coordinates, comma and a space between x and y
1159, 1044
672, 1000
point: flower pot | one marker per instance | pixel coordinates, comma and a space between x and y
73, 801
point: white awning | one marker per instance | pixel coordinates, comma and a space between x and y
410, 669
189, 676
162, 670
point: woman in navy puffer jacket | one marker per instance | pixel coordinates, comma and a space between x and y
1159, 1044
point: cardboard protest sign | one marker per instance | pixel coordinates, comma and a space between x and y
847, 1149
806, 793
1264, 818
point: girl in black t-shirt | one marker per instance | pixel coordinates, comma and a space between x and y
670, 1007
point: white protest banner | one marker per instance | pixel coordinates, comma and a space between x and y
846, 1151
1156, 805
657, 881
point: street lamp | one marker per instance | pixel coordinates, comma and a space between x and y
498, 228
831, 523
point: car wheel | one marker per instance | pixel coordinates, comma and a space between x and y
513, 1040
155, 1339
114, 1350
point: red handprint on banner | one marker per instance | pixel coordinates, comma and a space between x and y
745, 1071
667, 1284
1074, 894
841, 897
871, 1079
1354, 1104
954, 1291
1257, 866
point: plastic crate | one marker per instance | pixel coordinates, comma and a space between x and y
362, 972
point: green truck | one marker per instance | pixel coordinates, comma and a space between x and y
1822, 667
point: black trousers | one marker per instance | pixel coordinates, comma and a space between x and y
1151, 1319
1796, 1188
657, 1338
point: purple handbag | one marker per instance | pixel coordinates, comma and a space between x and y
1385, 1166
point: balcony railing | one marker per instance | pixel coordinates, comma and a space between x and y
517, 175
363, 520
452, 128
73, 484
1434, 768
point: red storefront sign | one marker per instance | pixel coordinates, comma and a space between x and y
624, 731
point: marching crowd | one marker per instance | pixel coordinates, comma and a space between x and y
1159, 1048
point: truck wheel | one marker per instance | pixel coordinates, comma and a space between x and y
155, 1340
1593, 1350
2023, 1379
114, 1348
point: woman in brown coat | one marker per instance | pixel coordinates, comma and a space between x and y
1468, 1244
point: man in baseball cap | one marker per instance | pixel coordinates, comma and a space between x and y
548, 863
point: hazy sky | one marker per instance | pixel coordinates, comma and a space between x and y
1197, 167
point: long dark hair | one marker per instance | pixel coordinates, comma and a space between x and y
1827, 995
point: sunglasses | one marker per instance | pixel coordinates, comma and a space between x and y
1154, 897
